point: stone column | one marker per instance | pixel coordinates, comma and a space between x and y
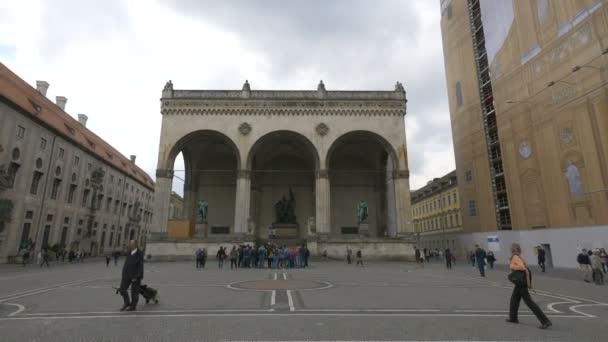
403, 215
243, 197
322, 203
162, 197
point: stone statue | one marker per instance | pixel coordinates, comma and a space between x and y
574, 179
321, 86
399, 87
285, 209
168, 86
202, 209
246, 86
362, 212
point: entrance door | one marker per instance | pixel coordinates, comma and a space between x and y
45, 237
548, 257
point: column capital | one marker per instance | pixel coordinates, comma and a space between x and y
243, 173
324, 173
164, 173
401, 174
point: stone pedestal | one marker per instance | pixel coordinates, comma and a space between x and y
286, 230
201, 230
364, 229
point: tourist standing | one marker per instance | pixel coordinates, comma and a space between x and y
541, 258
359, 258
234, 254
108, 260
596, 267
448, 258
221, 255
585, 265
199, 258
45, 258
306, 255
522, 279
491, 259
349, 255
480, 259
132, 274
604, 259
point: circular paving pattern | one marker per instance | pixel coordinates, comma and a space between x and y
280, 285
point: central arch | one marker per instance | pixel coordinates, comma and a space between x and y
282, 165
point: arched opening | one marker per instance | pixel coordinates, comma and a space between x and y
206, 172
282, 165
360, 166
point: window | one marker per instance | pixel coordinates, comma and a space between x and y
61, 152
80, 222
468, 175
45, 237
42, 144
455, 198
472, 208
64, 235
458, 94
20, 131
108, 204
443, 201
29, 215
49, 218
116, 204
12, 174
66, 220
451, 221
71, 193
89, 166
25, 234
35, 182
449, 200
76, 160
55, 190
85, 197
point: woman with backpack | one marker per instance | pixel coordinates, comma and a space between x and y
521, 277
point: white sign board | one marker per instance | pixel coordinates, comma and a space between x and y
493, 243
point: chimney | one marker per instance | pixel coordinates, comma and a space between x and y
83, 119
42, 87
133, 158
61, 101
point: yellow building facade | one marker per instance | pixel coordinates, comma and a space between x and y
528, 92
436, 214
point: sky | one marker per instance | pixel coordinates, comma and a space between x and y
112, 58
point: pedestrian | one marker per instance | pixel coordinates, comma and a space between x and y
220, 256
306, 255
596, 267
604, 259
204, 261
426, 255
480, 259
324, 254
491, 259
45, 258
262, 253
270, 256
132, 274
349, 255
116, 255
472, 258
199, 258
25, 258
522, 279
541, 258
417, 254
108, 260
359, 258
585, 265
448, 258
234, 254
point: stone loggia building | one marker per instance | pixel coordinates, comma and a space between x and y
249, 153
61, 184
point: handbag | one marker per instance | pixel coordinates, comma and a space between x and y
518, 278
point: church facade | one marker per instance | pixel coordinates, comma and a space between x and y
326, 168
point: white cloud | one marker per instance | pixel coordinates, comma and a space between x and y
112, 58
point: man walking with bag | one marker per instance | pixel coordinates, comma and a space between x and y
480, 259
132, 274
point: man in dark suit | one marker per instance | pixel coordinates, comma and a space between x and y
132, 274
480, 259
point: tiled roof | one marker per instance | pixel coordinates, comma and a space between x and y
434, 186
30, 100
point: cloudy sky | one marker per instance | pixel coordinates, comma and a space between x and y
112, 58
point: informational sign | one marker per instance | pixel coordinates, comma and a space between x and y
493, 243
